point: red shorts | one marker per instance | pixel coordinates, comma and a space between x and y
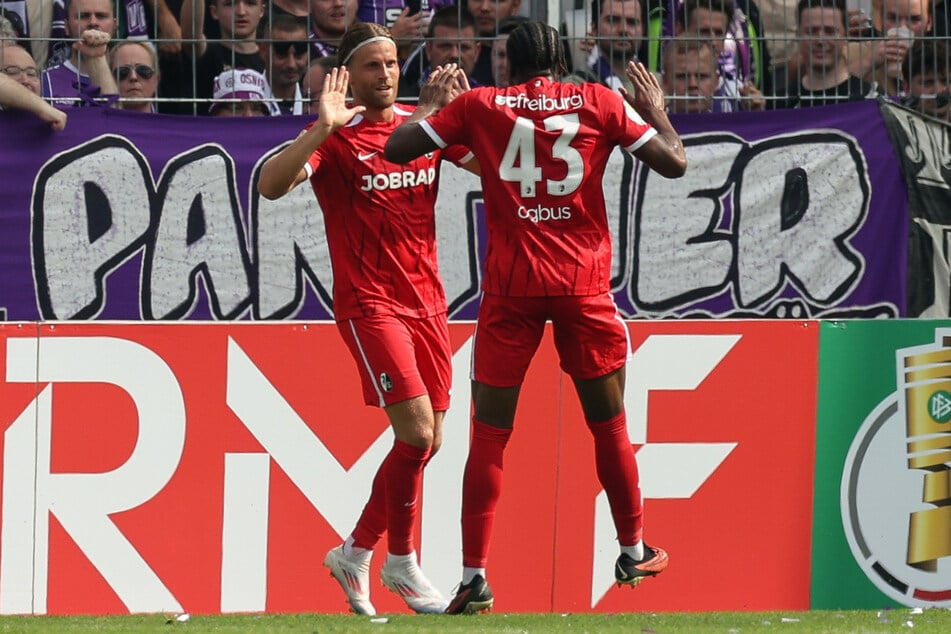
591, 337
400, 358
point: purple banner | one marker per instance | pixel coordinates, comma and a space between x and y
795, 214
788, 214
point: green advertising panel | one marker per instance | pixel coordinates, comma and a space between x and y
882, 515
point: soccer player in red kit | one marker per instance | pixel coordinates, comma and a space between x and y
389, 302
542, 147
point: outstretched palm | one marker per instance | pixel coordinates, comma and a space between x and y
333, 101
445, 83
648, 95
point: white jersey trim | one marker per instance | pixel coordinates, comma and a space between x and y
428, 129
644, 138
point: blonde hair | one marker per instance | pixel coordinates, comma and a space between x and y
147, 45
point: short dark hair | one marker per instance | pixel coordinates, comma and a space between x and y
927, 56
839, 5
509, 23
453, 17
327, 62
597, 5
68, 6
281, 22
535, 48
725, 7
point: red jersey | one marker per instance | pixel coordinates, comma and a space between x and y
380, 221
542, 147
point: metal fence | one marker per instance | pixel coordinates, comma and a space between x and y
770, 45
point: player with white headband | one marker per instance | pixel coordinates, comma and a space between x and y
388, 299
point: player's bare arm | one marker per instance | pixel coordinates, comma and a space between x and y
409, 140
285, 170
665, 152
445, 83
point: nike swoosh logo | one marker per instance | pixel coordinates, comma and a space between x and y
365, 157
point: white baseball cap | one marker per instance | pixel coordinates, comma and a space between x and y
244, 84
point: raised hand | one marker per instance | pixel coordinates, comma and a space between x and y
92, 43
648, 95
445, 83
54, 116
753, 98
410, 27
333, 110
859, 23
587, 45
461, 85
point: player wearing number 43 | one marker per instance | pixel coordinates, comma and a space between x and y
542, 148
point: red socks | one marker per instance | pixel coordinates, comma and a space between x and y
394, 500
372, 523
395, 495
617, 472
404, 474
481, 487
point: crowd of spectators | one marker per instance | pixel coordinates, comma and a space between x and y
183, 56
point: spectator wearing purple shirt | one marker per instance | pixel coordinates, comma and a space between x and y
406, 19
135, 20
85, 77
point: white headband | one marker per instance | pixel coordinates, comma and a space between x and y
375, 38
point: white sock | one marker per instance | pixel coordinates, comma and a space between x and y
349, 550
468, 574
635, 552
404, 561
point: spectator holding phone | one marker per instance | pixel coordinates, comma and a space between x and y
879, 58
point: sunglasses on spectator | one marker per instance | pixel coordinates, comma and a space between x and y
16, 71
143, 71
282, 48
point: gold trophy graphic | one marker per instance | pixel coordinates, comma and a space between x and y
927, 383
